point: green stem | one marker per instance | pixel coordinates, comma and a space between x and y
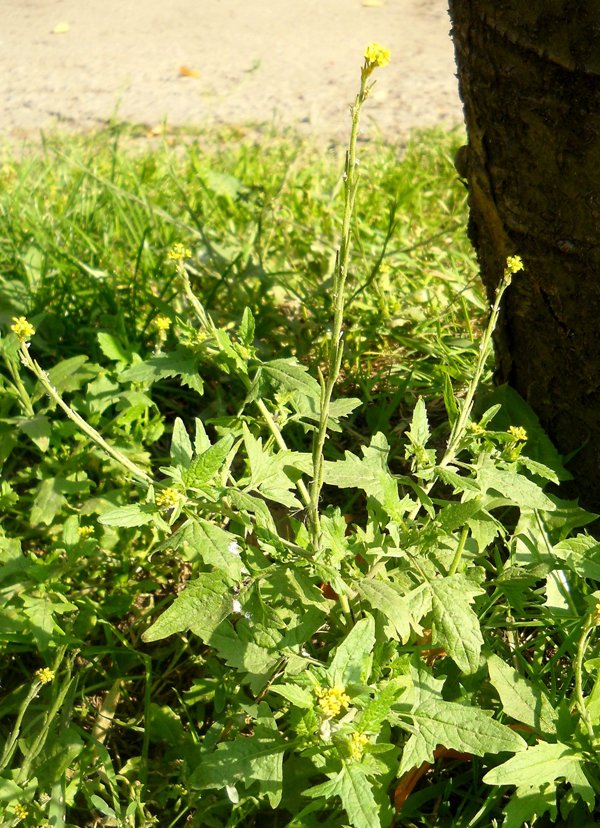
19, 387
579, 697
336, 347
11, 742
462, 421
459, 550
44, 380
209, 327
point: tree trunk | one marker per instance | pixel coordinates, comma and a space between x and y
529, 76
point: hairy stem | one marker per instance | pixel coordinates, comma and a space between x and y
336, 345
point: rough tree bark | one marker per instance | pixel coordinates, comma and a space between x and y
529, 77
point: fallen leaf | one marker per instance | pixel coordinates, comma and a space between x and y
61, 28
186, 72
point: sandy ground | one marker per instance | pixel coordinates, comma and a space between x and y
72, 64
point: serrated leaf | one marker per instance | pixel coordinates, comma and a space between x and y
245, 502
112, 348
41, 611
539, 468
484, 528
352, 661
529, 804
206, 465
201, 441
418, 432
293, 376
354, 789
201, 607
466, 729
135, 514
67, 375
455, 625
357, 797
457, 481
198, 539
274, 475
181, 446
388, 599
377, 710
246, 329
48, 501
238, 648
455, 515
521, 700
179, 363
581, 554
343, 407
425, 687
369, 473
298, 696
516, 488
543, 763
38, 430
247, 759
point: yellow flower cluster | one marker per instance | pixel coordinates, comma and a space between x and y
21, 811
179, 252
518, 433
162, 323
22, 329
45, 675
514, 264
332, 700
377, 55
85, 532
357, 745
168, 498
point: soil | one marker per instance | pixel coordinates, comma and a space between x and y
73, 65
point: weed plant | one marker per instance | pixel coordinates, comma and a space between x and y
272, 552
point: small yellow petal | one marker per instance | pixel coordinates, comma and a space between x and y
45, 675
22, 329
377, 55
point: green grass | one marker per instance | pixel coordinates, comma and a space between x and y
117, 738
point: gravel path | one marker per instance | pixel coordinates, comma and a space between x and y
72, 64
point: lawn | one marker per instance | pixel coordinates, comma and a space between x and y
191, 633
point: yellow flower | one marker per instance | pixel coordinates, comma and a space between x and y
332, 699
377, 55
85, 532
44, 675
168, 498
22, 329
514, 264
162, 323
179, 252
518, 433
21, 811
357, 745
